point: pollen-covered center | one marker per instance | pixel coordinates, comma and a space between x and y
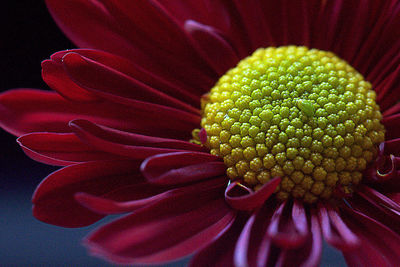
304, 115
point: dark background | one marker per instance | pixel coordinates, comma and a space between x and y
28, 36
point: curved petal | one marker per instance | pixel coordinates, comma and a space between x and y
308, 255
217, 51
249, 249
379, 244
181, 167
28, 110
54, 75
127, 144
243, 198
335, 231
141, 195
53, 200
112, 84
220, 252
59, 149
167, 85
159, 232
288, 227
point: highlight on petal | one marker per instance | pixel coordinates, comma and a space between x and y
132, 145
335, 231
253, 246
59, 149
112, 84
145, 236
53, 200
133, 197
288, 227
243, 198
379, 243
307, 255
28, 110
220, 252
181, 167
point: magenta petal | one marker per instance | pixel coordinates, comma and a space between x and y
127, 144
181, 167
159, 233
59, 149
335, 231
288, 227
54, 201
242, 198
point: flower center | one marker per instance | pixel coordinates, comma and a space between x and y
302, 114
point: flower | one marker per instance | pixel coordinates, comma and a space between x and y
128, 102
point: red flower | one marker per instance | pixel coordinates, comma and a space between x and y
126, 103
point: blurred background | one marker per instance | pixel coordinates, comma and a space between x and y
28, 36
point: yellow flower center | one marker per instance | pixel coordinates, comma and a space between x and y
302, 114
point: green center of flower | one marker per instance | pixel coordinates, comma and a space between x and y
302, 114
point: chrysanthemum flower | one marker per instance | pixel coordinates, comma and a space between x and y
243, 132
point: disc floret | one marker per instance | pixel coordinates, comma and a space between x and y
301, 114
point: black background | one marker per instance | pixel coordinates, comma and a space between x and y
28, 36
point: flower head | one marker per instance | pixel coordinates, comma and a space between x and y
243, 132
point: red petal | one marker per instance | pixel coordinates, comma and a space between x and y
335, 231
136, 197
251, 247
59, 149
110, 83
159, 233
242, 198
220, 252
169, 86
28, 110
181, 167
288, 227
127, 144
380, 245
212, 46
54, 201
54, 75
89, 24
308, 255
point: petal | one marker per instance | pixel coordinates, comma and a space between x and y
54, 201
127, 144
110, 83
165, 84
220, 252
217, 51
249, 247
288, 227
159, 233
308, 255
242, 198
380, 245
181, 167
59, 149
27, 110
54, 75
140, 195
335, 231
